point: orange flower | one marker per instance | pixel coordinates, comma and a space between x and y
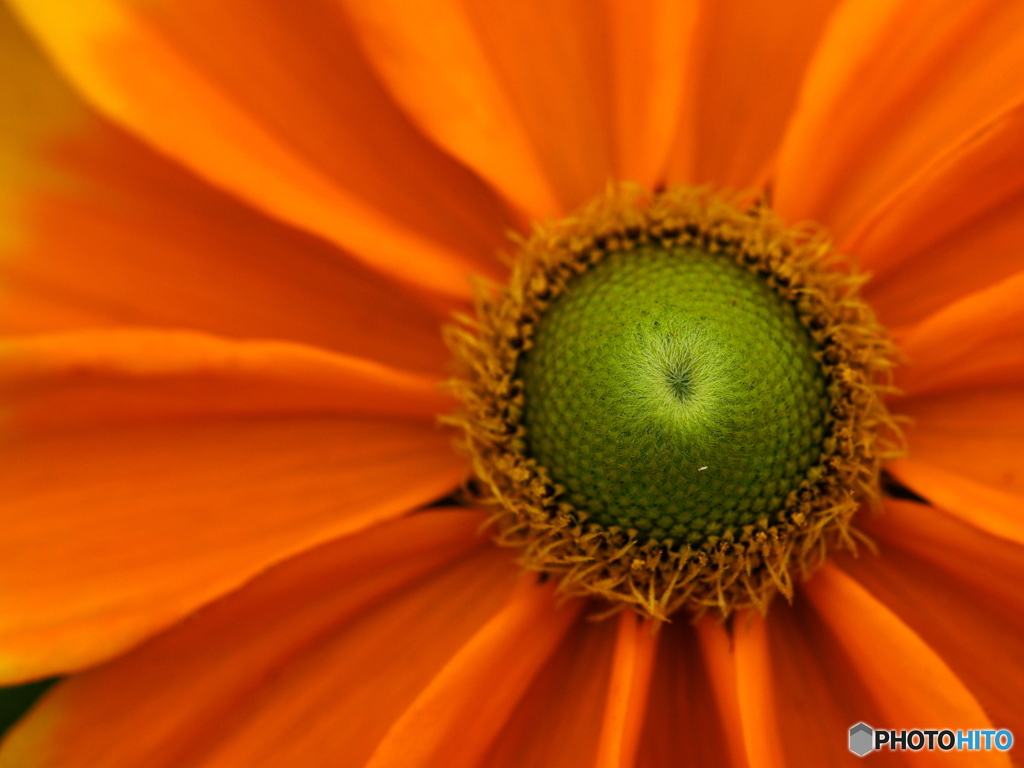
231, 233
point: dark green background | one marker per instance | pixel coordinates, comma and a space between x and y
14, 702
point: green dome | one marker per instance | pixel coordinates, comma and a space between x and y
675, 393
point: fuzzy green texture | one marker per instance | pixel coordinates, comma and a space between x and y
674, 393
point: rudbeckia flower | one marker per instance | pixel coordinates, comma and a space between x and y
707, 485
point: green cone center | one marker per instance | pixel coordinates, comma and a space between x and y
673, 393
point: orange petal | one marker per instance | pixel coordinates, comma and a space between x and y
518, 91
958, 588
113, 532
457, 717
977, 341
558, 722
125, 376
748, 61
911, 684
650, 43
626, 703
893, 86
310, 662
134, 241
256, 115
986, 508
818, 693
755, 692
97, 230
967, 455
34, 105
720, 662
903, 238
981, 253
682, 728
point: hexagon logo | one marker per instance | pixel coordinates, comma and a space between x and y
862, 739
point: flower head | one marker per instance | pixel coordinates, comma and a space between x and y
232, 234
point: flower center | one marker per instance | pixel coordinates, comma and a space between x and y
673, 392
675, 403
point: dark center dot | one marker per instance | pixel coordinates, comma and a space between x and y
674, 393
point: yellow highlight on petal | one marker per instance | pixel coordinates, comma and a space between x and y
134, 75
36, 109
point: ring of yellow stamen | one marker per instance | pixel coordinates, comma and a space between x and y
745, 567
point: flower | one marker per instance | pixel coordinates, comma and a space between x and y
231, 234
